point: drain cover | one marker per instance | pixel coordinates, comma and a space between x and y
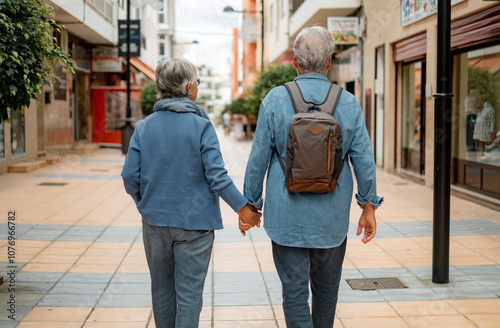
99, 170
375, 283
52, 184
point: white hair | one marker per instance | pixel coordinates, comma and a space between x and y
172, 77
313, 47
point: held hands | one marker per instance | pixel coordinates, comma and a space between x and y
248, 217
367, 221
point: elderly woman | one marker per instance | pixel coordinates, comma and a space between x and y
175, 173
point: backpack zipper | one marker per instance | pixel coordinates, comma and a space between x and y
329, 159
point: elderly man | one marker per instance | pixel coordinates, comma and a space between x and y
308, 231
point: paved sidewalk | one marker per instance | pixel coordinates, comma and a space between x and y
78, 259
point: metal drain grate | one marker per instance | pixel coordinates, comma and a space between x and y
52, 184
99, 170
375, 283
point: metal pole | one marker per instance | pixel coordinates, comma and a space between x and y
442, 148
128, 129
129, 111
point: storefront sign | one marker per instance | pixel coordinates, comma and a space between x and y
106, 60
414, 10
345, 30
135, 38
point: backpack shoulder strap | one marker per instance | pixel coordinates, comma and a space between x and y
301, 106
328, 106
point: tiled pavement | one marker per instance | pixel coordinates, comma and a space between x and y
79, 259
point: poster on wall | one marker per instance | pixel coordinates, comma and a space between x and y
105, 59
414, 10
345, 30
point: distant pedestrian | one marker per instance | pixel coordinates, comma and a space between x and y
175, 173
309, 230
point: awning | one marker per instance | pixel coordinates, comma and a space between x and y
148, 71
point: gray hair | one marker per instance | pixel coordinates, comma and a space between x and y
313, 47
172, 77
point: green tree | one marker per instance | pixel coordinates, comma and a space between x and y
148, 97
28, 52
272, 76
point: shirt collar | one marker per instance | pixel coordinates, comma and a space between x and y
312, 76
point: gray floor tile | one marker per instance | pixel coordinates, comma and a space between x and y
124, 300
131, 278
239, 287
86, 277
39, 276
129, 288
69, 300
28, 299
28, 287
78, 288
241, 299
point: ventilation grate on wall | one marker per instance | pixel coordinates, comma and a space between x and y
375, 283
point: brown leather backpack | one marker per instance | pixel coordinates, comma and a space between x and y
314, 147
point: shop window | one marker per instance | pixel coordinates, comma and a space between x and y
2, 141
476, 120
17, 133
116, 110
413, 117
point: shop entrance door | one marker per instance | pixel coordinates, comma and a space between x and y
413, 117
110, 113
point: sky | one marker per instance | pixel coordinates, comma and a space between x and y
205, 22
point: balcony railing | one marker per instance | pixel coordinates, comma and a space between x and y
105, 7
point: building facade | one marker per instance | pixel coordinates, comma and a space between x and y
399, 78
87, 105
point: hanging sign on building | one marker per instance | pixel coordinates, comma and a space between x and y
345, 30
135, 38
106, 59
414, 10
248, 31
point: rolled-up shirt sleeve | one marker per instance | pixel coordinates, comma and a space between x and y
258, 162
363, 163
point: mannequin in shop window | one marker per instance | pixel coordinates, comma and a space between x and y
474, 105
484, 129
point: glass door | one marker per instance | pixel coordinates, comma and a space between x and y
413, 117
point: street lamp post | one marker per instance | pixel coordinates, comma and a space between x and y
229, 9
442, 149
128, 129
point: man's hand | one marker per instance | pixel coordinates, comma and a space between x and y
248, 217
367, 221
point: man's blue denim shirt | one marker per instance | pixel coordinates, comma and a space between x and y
305, 219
